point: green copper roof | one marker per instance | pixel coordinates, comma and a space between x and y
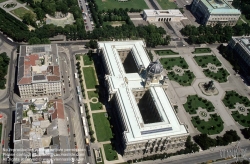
220, 7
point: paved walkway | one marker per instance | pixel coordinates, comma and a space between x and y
8, 10
87, 101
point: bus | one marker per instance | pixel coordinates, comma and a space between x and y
83, 121
78, 90
76, 76
81, 109
79, 98
87, 141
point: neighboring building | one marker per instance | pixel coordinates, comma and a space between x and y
38, 71
241, 48
212, 12
40, 132
137, 87
152, 15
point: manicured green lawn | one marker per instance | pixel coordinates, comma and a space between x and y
240, 22
169, 63
19, 1
20, 12
244, 18
114, 23
185, 80
87, 60
110, 154
89, 75
92, 94
2, 1
102, 127
1, 128
242, 119
167, 4
214, 125
193, 102
201, 50
232, 97
204, 60
112, 4
220, 76
166, 52
96, 106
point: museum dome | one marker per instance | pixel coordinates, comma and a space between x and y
155, 68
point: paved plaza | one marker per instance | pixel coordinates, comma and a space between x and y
178, 94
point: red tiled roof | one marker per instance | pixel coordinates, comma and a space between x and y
56, 70
31, 60
59, 109
53, 78
25, 80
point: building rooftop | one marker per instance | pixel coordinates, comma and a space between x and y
123, 84
38, 63
37, 125
172, 13
220, 7
244, 41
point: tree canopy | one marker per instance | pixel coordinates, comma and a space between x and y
4, 63
217, 33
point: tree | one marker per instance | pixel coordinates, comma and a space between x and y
34, 40
93, 44
39, 13
91, 132
29, 18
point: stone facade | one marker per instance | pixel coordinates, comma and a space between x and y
212, 12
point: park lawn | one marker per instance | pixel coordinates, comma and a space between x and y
102, 127
220, 76
114, 23
166, 52
1, 128
110, 154
92, 94
232, 97
185, 80
95, 106
244, 18
202, 61
87, 60
167, 4
1, 1
214, 125
169, 63
114, 4
89, 75
20, 12
240, 22
201, 50
242, 119
193, 102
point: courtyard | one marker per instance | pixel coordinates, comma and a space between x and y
203, 60
194, 102
166, 52
184, 79
169, 63
219, 75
